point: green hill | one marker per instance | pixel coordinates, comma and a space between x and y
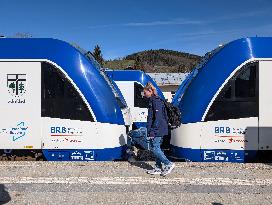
160, 61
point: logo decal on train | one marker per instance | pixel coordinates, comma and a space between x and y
83, 155
229, 130
229, 134
16, 84
17, 132
65, 131
222, 155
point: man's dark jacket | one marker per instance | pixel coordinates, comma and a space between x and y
157, 125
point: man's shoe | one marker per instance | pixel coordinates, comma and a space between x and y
154, 171
131, 159
167, 169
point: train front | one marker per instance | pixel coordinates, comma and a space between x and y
56, 104
223, 105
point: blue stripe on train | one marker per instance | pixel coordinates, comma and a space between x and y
213, 155
107, 154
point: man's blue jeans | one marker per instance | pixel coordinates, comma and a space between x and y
140, 137
155, 148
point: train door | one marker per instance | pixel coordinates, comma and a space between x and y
133, 94
140, 105
230, 128
265, 106
126, 88
20, 104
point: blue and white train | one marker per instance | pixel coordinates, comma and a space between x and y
56, 104
226, 105
131, 84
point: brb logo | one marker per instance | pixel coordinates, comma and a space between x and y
65, 131
228, 130
222, 130
230, 135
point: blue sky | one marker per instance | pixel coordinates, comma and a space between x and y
122, 27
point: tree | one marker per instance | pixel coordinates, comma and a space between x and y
138, 65
98, 55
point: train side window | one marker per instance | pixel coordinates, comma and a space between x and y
245, 83
59, 97
239, 97
139, 100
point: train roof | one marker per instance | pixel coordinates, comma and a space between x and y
133, 75
83, 72
198, 89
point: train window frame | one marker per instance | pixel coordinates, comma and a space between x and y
140, 102
249, 105
56, 102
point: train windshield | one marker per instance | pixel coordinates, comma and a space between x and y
208, 56
194, 72
117, 93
